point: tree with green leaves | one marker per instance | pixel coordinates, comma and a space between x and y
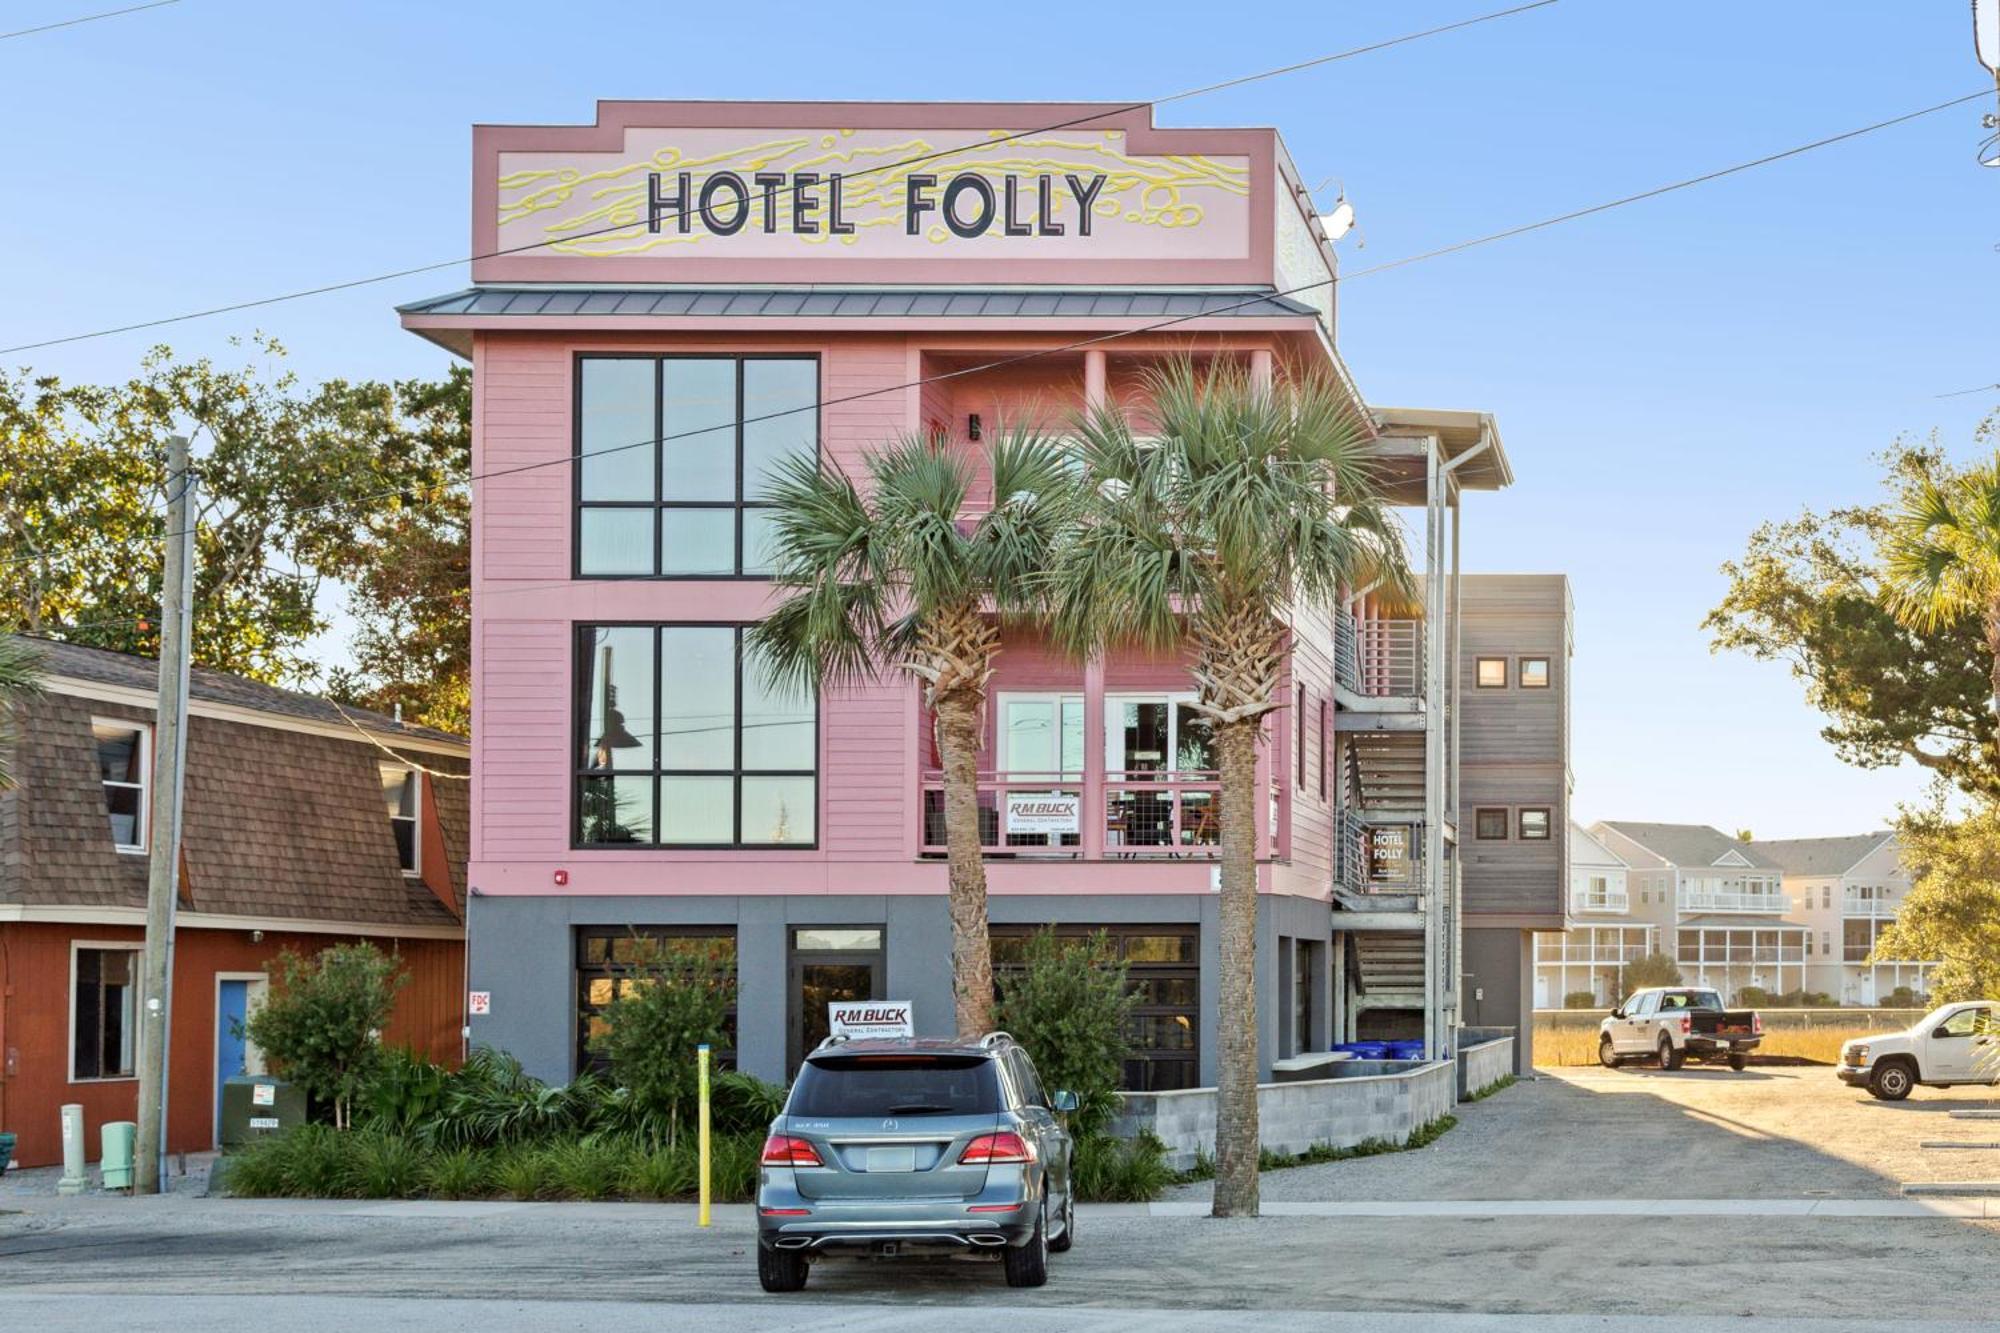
1207, 519
297, 488
321, 1026
1811, 593
1952, 911
908, 573
1655, 969
1069, 1004
20, 676
676, 1000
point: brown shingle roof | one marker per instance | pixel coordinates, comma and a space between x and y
280, 823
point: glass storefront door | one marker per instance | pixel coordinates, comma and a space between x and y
829, 966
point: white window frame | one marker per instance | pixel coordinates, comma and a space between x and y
137, 948
1058, 700
416, 816
1114, 734
144, 784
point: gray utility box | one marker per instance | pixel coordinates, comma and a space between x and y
254, 1105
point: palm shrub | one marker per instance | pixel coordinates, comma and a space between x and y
459, 1173
678, 1000
1941, 553
1069, 1005
1203, 525
322, 1023
903, 575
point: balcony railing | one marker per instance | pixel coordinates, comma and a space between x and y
1609, 900
1381, 658
1143, 815
1710, 900
1582, 951
1746, 953
1856, 904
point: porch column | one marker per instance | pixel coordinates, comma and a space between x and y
1090, 826
1093, 378
1260, 368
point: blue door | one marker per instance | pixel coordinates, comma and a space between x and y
232, 1006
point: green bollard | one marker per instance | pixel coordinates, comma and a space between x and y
115, 1165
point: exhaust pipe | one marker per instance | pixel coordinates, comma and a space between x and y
791, 1242
987, 1239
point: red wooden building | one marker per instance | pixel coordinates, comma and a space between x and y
305, 825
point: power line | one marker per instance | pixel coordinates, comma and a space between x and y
1153, 327
87, 18
1961, 393
689, 210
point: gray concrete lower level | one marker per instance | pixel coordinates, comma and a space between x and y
523, 952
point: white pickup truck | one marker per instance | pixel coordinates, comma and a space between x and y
1954, 1043
1670, 1023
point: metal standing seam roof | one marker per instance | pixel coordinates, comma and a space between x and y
743, 303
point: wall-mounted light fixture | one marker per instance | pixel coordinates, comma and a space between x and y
972, 427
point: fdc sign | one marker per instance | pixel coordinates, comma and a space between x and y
857, 1019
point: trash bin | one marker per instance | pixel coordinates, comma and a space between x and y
1364, 1050
1406, 1050
114, 1163
7, 1142
255, 1105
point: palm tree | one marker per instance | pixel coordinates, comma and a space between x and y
1941, 554
20, 672
905, 576
1234, 504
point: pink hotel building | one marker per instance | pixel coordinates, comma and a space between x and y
682, 292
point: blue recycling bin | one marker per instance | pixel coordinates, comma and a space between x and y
1406, 1050
1363, 1050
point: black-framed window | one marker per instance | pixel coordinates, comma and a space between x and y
1534, 673
1489, 823
610, 962
683, 740
674, 455
1163, 968
1535, 824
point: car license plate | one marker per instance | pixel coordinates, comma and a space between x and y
892, 1159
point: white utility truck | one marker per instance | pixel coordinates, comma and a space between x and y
1954, 1043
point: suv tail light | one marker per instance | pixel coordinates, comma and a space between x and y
996, 1150
1756, 1022
1687, 1025
783, 1150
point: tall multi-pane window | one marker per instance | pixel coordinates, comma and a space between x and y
685, 740
122, 758
104, 1012
674, 457
403, 796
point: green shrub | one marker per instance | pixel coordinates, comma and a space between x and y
733, 1165
1655, 969
677, 1001
320, 1025
1069, 1004
1108, 1170
459, 1173
743, 1104
1580, 999
523, 1172
662, 1174
404, 1092
384, 1166
314, 1162
589, 1168
257, 1169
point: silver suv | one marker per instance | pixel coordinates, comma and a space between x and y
908, 1146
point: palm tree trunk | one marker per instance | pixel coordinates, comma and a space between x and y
958, 718
1993, 647
1237, 1139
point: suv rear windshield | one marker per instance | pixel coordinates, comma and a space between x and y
885, 1085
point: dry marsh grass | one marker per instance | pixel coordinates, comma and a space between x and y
1556, 1047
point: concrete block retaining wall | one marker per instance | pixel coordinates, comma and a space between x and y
1378, 1099
1482, 1064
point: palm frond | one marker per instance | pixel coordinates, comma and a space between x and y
20, 677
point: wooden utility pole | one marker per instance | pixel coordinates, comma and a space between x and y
162, 880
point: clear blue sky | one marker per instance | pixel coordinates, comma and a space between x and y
1666, 376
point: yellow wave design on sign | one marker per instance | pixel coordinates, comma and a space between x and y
1161, 191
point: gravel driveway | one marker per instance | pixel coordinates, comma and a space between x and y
1776, 1133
